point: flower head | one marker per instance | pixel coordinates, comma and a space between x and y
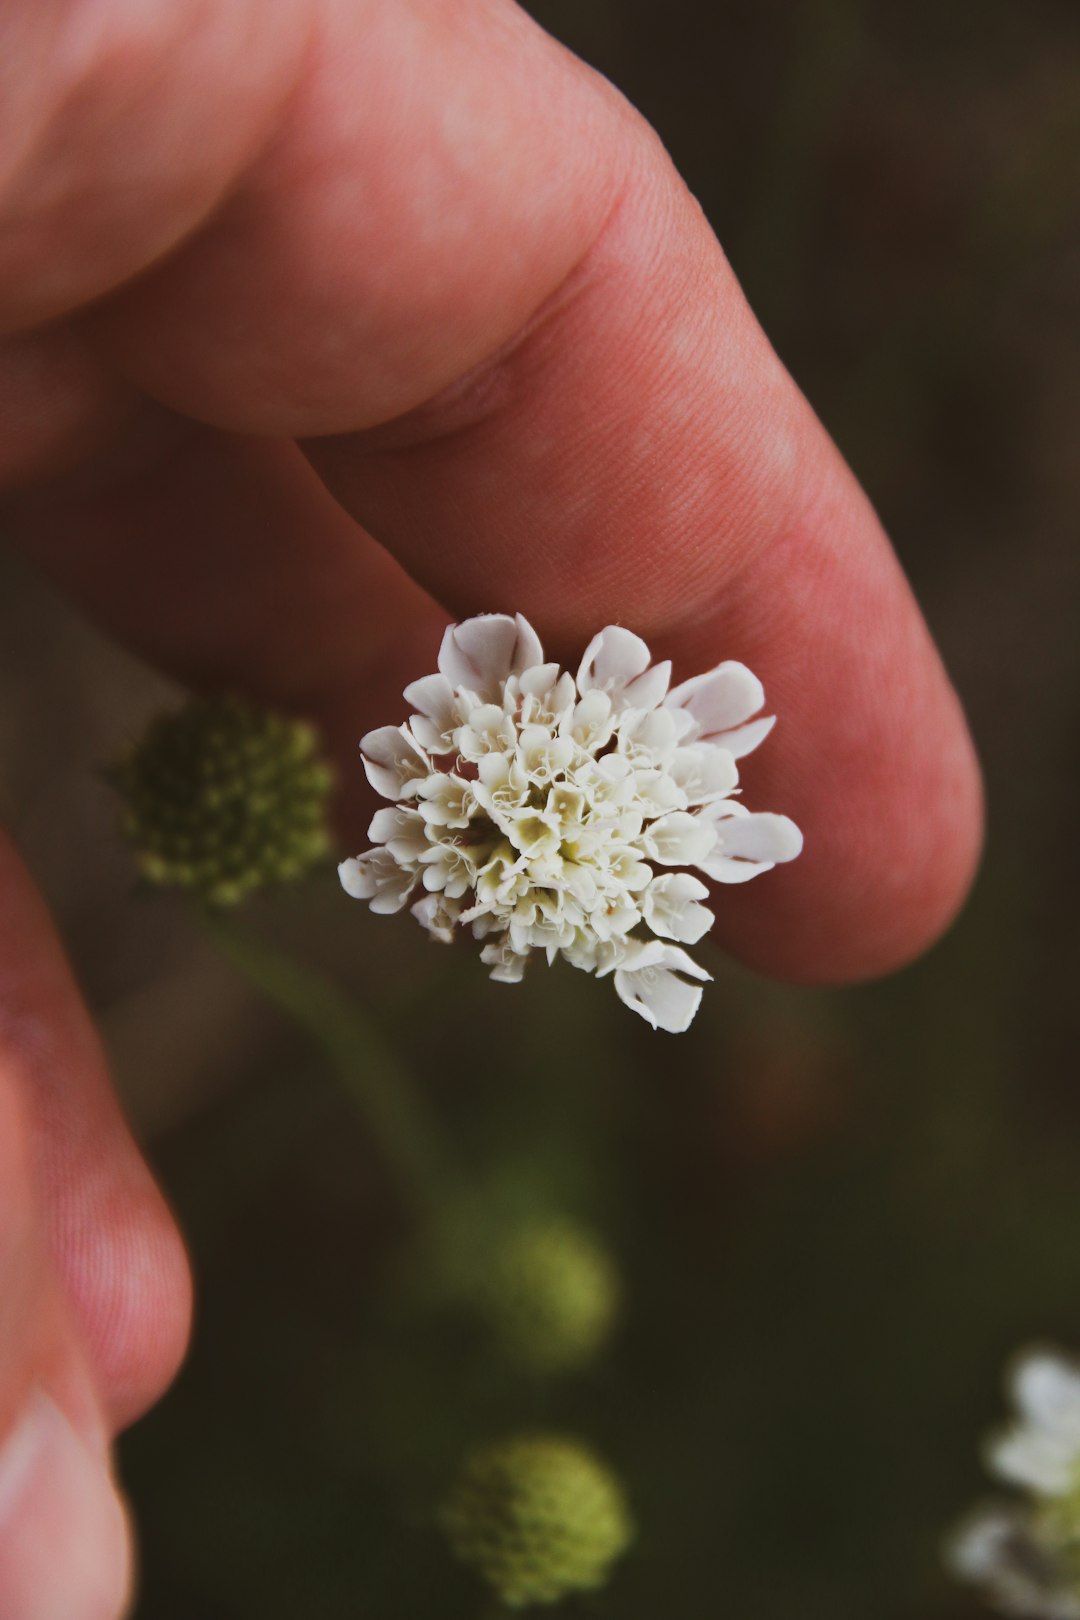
549, 1290
223, 798
1026, 1553
1020, 1560
557, 813
537, 1517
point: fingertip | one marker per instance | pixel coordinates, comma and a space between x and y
72, 1181
876, 885
133, 1294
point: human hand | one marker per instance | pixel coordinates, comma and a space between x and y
272, 271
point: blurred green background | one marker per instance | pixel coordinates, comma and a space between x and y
836, 1213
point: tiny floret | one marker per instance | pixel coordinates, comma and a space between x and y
538, 1517
571, 815
223, 798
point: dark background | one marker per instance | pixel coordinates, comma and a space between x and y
837, 1213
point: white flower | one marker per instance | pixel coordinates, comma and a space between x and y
1019, 1562
1042, 1450
534, 808
1026, 1554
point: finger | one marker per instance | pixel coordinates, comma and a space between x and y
61, 409
438, 171
635, 453
106, 155
64, 1547
640, 457
106, 1231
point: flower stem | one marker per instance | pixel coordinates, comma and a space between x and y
378, 1085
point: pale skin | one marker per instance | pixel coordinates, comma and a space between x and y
280, 275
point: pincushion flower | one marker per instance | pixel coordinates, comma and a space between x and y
224, 798
572, 815
539, 1517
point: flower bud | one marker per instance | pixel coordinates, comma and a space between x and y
537, 1517
223, 798
550, 1294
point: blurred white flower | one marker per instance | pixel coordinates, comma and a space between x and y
533, 807
1042, 1450
1016, 1559
1025, 1554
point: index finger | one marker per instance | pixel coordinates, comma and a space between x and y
457, 228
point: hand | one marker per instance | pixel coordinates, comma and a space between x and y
274, 273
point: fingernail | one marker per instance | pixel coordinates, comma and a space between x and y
65, 1552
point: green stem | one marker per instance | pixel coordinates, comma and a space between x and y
365, 1063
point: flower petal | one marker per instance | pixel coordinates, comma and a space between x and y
650, 985
650, 688
719, 705
1032, 1458
650, 733
434, 724
617, 662
670, 907
376, 877
613, 654
438, 915
389, 821
481, 653
507, 965
679, 839
761, 836
356, 878
542, 680
975, 1552
394, 761
655, 793
488, 730
1046, 1389
402, 831
743, 739
704, 772
720, 699
747, 844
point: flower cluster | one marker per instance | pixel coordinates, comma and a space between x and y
549, 812
538, 1517
223, 798
549, 1292
1025, 1553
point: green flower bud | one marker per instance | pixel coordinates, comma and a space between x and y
223, 798
550, 1294
537, 1517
